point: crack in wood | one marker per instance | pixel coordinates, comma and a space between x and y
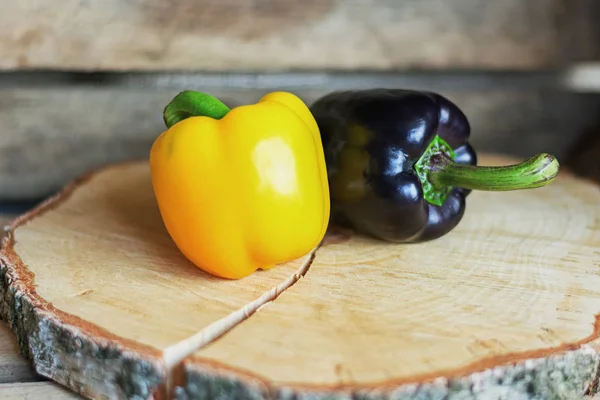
174, 355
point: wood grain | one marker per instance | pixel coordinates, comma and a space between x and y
112, 294
53, 136
297, 34
505, 305
37, 390
517, 281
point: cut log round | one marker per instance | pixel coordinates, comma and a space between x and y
504, 306
101, 299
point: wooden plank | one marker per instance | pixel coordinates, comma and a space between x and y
297, 34
55, 135
13, 367
35, 390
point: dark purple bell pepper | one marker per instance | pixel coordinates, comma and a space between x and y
400, 165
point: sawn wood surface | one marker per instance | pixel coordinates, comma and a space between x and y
505, 305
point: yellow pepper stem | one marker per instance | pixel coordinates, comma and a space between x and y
190, 103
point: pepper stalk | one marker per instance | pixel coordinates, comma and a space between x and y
439, 173
190, 103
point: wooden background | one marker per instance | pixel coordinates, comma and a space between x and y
83, 83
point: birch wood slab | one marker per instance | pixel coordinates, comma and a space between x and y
502, 307
100, 298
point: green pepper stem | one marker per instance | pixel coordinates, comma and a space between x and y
534, 172
189, 104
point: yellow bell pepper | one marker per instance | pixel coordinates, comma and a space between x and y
240, 189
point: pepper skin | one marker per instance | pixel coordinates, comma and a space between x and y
400, 165
241, 189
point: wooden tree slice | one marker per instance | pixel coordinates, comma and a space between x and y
505, 305
101, 299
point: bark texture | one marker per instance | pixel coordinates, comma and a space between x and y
567, 376
87, 364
